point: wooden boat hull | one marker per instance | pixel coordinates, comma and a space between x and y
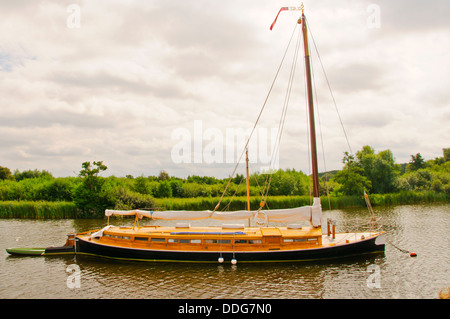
369, 245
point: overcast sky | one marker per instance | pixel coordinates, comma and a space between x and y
125, 81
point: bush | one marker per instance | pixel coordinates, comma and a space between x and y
127, 200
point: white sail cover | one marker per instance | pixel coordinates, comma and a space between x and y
313, 214
236, 215
181, 214
100, 232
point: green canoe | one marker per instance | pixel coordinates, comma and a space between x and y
26, 251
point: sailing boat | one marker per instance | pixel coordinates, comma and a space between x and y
233, 242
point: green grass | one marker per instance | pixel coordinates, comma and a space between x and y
37, 210
280, 202
61, 210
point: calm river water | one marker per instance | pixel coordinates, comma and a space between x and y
390, 275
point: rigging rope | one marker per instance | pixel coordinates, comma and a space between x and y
259, 189
257, 119
395, 246
231, 199
284, 112
329, 87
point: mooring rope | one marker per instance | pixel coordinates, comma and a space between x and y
402, 250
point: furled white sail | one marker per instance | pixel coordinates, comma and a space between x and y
235, 215
313, 214
181, 214
289, 215
316, 212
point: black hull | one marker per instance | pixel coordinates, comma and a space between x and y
63, 250
356, 248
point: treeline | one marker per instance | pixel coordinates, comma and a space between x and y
377, 173
90, 193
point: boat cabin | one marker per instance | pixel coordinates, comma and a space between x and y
224, 238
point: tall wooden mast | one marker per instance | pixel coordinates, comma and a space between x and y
248, 180
315, 173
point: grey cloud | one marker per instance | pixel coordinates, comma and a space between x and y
136, 69
357, 76
416, 15
46, 118
101, 82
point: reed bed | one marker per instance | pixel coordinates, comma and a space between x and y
280, 202
37, 210
61, 210
273, 202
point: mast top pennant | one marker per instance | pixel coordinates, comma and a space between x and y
286, 9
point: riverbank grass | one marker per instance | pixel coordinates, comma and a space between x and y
61, 210
37, 210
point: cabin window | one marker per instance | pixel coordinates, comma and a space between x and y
255, 241
312, 239
117, 237
240, 241
158, 240
216, 241
196, 241
180, 241
300, 239
141, 238
126, 237
288, 240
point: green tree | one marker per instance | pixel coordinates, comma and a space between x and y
380, 169
5, 173
280, 182
385, 173
59, 189
32, 174
238, 179
142, 185
446, 154
164, 189
177, 188
163, 175
91, 196
351, 177
127, 200
417, 162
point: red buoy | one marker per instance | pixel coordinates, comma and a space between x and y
413, 254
